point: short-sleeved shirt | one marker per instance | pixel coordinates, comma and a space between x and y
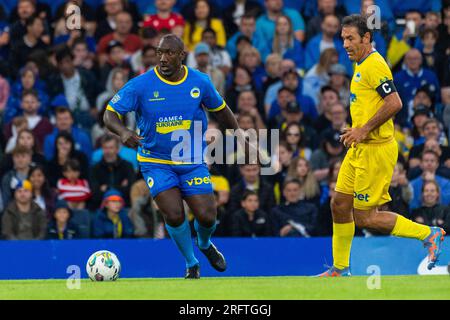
169, 115
365, 101
157, 23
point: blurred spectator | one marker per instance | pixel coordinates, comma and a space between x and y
64, 150
111, 172
400, 191
294, 135
265, 25
111, 220
21, 157
318, 76
25, 10
250, 221
241, 81
324, 8
79, 87
328, 38
251, 59
26, 139
107, 25
272, 69
202, 19
28, 80
429, 166
432, 212
122, 34
421, 115
280, 163
432, 59
411, 78
387, 23
337, 115
247, 102
445, 107
64, 122
87, 13
219, 57
82, 56
300, 170
23, 219
294, 218
18, 124
432, 130
247, 28
39, 125
425, 98
31, 41
203, 63
71, 188
234, 13
144, 60
331, 148
116, 80
285, 44
328, 98
165, 18
251, 180
340, 82
60, 226
4, 93
292, 81
43, 195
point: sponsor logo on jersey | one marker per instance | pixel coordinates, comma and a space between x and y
116, 98
169, 124
156, 97
195, 92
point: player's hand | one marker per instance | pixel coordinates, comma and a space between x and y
352, 136
131, 139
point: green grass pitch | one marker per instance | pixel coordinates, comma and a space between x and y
240, 288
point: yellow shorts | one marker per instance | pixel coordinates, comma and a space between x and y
366, 173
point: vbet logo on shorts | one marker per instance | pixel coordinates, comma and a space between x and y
197, 181
361, 197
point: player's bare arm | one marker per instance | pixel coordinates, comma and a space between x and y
392, 105
128, 137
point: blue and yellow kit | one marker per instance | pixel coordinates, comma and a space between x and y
172, 121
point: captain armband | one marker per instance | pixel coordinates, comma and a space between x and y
386, 88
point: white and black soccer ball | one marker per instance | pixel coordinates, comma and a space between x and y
103, 265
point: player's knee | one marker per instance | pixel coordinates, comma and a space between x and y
363, 221
207, 218
174, 219
341, 206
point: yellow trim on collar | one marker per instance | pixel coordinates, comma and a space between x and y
171, 82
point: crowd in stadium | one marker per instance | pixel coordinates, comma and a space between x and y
278, 64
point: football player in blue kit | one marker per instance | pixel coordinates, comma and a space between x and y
168, 101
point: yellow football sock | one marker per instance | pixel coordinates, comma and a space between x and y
409, 229
342, 242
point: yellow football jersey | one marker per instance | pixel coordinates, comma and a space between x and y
365, 101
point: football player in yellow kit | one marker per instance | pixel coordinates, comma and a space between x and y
366, 172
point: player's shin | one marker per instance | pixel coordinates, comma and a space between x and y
409, 229
181, 235
342, 242
204, 234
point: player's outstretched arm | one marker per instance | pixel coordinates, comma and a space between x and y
128, 137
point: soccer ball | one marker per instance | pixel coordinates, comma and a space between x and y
103, 265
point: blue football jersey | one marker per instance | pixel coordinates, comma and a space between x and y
169, 115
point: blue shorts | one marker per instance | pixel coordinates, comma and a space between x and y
191, 179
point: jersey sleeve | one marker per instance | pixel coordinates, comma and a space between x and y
212, 100
380, 78
124, 101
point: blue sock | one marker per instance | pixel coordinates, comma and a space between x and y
182, 237
204, 235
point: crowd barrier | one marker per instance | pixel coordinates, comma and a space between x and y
246, 257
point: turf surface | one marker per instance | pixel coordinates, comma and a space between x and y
392, 287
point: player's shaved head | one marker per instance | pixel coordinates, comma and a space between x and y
172, 41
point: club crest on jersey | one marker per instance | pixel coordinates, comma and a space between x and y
357, 77
195, 92
150, 182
